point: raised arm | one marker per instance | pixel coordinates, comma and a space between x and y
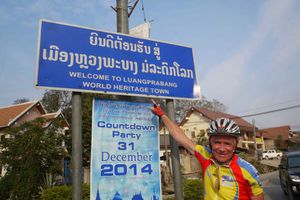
258, 197
175, 131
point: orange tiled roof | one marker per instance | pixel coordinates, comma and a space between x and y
55, 115
275, 132
212, 115
10, 113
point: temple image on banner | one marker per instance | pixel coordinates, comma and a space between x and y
135, 196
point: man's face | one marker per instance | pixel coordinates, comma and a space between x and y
222, 147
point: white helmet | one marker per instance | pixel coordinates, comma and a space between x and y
224, 126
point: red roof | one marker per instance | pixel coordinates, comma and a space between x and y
276, 132
10, 114
212, 115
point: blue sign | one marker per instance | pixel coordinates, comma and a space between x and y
83, 59
125, 151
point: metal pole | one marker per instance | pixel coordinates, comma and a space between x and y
254, 139
76, 146
122, 16
175, 155
123, 27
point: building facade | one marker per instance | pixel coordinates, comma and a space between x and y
195, 125
14, 115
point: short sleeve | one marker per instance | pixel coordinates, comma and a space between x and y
202, 153
252, 177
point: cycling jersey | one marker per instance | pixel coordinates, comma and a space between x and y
236, 180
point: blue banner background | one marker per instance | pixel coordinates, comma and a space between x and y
106, 112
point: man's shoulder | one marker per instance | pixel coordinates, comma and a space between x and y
202, 149
245, 165
202, 152
249, 172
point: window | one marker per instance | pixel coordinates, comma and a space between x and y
294, 161
193, 134
202, 133
2, 138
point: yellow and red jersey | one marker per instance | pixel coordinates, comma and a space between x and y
236, 180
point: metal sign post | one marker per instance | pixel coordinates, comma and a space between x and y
76, 146
123, 27
175, 155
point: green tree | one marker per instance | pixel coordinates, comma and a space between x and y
20, 100
294, 143
54, 100
202, 139
31, 151
87, 109
193, 189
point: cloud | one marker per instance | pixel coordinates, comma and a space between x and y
229, 78
262, 71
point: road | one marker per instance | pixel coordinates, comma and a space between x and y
273, 162
271, 185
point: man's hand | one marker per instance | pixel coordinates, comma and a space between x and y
156, 109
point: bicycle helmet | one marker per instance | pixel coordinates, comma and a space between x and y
224, 126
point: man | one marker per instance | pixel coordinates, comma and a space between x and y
225, 175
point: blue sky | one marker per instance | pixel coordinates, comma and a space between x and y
246, 52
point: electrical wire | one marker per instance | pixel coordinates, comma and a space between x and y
143, 9
270, 111
266, 106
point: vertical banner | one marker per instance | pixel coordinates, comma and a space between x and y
125, 152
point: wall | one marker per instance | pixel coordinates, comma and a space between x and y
32, 114
195, 124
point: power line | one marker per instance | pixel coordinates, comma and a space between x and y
132, 7
270, 111
143, 9
266, 106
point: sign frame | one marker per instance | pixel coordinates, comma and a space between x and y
180, 82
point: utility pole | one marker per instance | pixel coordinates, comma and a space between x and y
254, 139
123, 27
122, 16
175, 155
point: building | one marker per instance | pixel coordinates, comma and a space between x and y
276, 137
195, 125
294, 142
15, 115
